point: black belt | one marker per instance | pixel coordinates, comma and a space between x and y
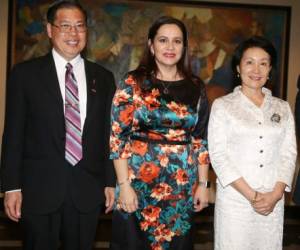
144, 139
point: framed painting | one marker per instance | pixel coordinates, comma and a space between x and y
118, 34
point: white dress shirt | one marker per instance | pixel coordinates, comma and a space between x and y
256, 143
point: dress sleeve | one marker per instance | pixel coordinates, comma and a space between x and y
288, 152
199, 135
122, 119
217, 140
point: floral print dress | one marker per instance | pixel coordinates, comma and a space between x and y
162, 136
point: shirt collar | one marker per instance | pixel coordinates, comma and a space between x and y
62, 62
268, 94
266, 91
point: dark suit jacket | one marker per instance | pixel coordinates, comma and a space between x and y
33, 146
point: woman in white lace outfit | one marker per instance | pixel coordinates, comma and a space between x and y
252, 146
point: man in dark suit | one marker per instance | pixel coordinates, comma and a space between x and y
56, 172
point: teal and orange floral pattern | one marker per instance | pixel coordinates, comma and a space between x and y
164, 175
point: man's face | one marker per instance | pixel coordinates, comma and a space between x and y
68, 43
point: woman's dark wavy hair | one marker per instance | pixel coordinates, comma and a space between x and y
147, 68
254, 42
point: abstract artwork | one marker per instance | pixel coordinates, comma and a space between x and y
118, 34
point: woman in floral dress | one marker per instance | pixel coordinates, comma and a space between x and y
159, 126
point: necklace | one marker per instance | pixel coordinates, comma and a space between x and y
166, 86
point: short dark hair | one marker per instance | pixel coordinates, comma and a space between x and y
64, 4
148, 65
253, 42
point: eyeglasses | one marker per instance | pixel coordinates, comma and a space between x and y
67, 28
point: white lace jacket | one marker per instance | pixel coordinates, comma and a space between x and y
257, 143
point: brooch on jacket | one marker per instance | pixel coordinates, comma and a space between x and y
275, 118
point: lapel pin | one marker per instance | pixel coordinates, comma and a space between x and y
94, 83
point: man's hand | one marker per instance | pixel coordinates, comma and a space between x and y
12, 205
109, 193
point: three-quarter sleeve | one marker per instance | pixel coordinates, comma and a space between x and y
122, 119
288, 152
199, 135
217, 140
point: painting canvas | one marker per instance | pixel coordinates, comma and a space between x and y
118, 34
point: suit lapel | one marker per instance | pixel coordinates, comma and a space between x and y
50, 80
